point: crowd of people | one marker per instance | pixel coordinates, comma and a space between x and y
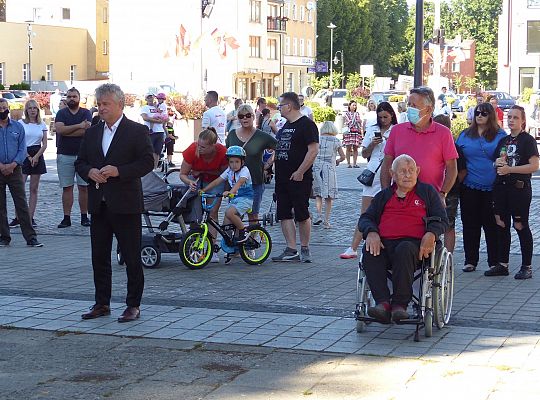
415, 169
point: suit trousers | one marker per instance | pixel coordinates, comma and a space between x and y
15, 183
127, 229
399, 255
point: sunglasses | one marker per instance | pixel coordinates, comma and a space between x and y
482, 113
242, 116
281, 105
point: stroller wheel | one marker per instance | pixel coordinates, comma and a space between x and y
119, 256
150, 256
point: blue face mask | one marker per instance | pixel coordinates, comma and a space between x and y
413, 115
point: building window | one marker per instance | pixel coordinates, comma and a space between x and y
309, 48
255, 15
49, 72
272, 49
25, 72
287, 46
302, 13
286, 10
73, 73
255, 46
2, 10
301, 47
310, 16
455, 67
105, 47
273, 11
66, 13
105, 15
2, 68
294, 16
526, 78
290, 82
533, 3
533, 36
295, 47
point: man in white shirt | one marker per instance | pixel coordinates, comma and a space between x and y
214, 116
154, 118
305, 110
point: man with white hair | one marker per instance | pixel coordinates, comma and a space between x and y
397, 237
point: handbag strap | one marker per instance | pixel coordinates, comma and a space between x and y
379, 166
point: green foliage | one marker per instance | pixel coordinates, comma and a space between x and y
471, 83
271, 100
322, 114
361, 101
312, 104
458, 82
2, 87
459, 124
20, 86
526, 95
450, 100
354, 81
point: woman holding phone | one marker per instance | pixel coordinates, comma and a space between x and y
373, 149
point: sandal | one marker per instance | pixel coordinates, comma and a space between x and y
469, 268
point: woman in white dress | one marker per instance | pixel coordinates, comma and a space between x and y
373, 149
324, 172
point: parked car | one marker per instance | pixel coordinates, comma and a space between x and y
379, 97
22, 94
339, 99
504, 100
10, 97
459, 104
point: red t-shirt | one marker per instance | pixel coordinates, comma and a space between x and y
199, 164
402, 218
430, 149
500, 114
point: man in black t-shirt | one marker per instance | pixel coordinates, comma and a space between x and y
71, 124
298, 145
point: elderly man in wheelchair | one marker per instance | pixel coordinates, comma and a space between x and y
401, 228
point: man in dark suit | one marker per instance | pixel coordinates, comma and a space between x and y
113, 156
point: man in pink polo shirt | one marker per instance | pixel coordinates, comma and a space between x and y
430, 144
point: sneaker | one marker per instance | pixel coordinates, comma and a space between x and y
497, 270
305, 255
524, 273
85, 221
171, 164
287, 255
326, 225
14, 223
228, 259
317, 221
34, 243
4, 242
381, 312
34, 225
251, 254
349, 254
399, 312
65, 223
215, 258
242, 237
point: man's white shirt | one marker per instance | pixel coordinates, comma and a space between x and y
216, 118
108, 135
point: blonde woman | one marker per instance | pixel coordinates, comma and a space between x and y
34, 165
324, 172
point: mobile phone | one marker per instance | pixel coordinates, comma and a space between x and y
378, 134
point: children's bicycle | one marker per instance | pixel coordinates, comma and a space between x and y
196, 248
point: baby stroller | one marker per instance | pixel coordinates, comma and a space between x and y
174, 203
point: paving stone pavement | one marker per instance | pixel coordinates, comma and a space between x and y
276, 305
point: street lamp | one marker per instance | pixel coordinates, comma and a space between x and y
30, 35
336, 61
331, 27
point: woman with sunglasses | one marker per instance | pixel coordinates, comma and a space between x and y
34, 165
254, 142
517, 159
477, 145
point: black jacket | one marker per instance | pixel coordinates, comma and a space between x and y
369, 221
131, 152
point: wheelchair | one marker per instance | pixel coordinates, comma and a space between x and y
431, 304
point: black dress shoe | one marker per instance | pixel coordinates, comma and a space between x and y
130, 314
86, 222
96, 311
65, 223
34, 243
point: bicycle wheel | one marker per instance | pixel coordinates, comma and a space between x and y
196, 252
257, 248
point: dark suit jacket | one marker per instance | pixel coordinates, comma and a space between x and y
131, 152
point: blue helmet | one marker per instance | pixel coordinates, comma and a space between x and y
236, 151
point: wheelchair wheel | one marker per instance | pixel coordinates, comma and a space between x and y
196, 252
119, 256
443, 290
257, 248
150, 256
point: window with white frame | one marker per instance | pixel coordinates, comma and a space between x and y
255, 46
310, 16
25, 72
309, 46
73, 73
286, 10
293, 9
271, 46
295, 47
105, 47
49, 72
290, 82
255, 11
272, 10
302, 47
287, 46
533, 36
2, 69
302, 13
66, 13
105, 15
455, 67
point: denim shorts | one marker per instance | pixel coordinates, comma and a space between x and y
242, 205
65, 166
157, 139
258, 191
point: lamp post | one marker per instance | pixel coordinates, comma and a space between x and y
30, 34
418, 43
336, 61
331, 27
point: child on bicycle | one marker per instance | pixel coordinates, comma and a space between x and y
241, 191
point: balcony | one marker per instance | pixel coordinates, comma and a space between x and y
276, 24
